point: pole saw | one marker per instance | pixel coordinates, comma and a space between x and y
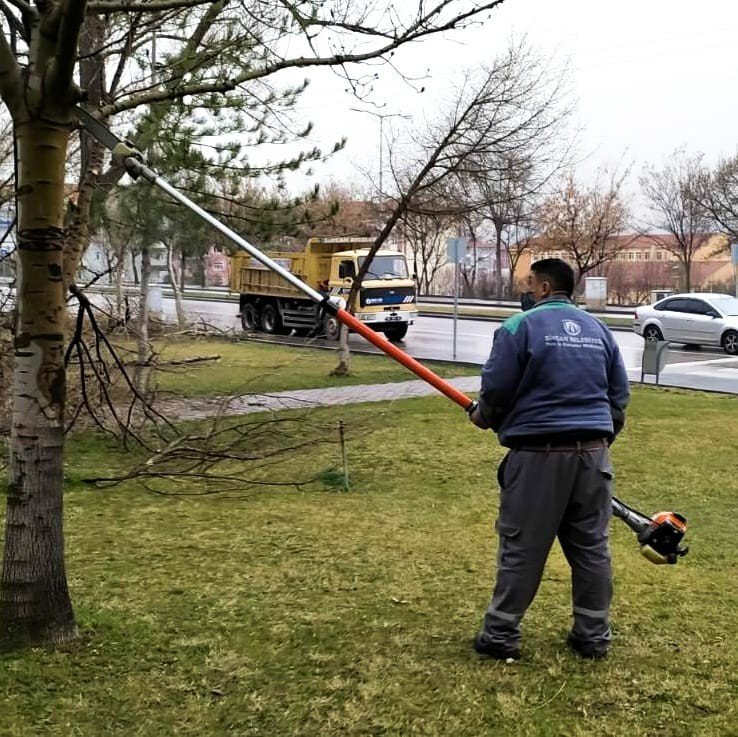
658, 536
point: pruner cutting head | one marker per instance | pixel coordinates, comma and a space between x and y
660, 539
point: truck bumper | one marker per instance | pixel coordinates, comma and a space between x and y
387, 319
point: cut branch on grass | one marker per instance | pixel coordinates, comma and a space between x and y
193, 359
222, 457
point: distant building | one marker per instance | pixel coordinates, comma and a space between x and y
644, 264
217, 268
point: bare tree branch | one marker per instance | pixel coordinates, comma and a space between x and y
72, 14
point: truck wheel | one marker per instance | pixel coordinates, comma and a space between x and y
271, 322
396, 333
249, 318
331, 327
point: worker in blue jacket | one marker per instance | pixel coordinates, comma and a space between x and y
554, 389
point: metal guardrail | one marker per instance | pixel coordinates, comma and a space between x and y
477, 309
507, 303
224, 293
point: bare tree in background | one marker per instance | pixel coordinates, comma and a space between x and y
519, 232
338, 210
7, 204
675, 209
7, 168
489, 120
425, 236
534, 104
632, 282
583, 221
716, 191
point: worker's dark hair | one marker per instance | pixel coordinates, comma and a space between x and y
556, 271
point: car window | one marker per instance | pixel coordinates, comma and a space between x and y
698, 307
665, 305
727, 304
676, 305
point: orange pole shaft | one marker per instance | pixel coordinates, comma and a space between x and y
409, 362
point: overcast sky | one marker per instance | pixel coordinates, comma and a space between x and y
648, 76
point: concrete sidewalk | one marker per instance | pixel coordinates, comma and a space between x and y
197, 409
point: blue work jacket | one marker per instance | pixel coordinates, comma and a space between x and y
554, 370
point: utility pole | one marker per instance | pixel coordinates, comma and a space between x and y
455, 251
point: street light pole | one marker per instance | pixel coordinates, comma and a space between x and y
381, 117
381, 149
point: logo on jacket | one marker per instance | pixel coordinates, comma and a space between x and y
572, 328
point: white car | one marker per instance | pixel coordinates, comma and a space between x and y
698, 318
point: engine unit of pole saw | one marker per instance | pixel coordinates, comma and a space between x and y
659, 536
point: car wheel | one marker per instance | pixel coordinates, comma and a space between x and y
270, 320
730, 342
652, 334
249, 318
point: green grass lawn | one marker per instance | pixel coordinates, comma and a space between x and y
318, 612
245, 367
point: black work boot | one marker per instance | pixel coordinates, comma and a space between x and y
495, 650
588, 650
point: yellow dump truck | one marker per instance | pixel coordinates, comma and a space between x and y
387, 299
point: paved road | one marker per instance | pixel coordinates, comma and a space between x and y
432, 338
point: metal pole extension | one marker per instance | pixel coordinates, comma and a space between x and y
377, 339
155, 179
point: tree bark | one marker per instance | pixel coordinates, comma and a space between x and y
77, 236
142, 372
121, 305
687, 265
181, 317
344, 354
498, 260
34, 598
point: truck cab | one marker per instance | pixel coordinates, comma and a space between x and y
387, 298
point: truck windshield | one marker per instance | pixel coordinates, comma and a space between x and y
386, 267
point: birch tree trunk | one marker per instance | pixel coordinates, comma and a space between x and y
121, 304
181, 317
34, 598
142, 371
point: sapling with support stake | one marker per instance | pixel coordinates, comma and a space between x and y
659, 536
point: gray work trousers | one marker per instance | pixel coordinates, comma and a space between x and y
545, 494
